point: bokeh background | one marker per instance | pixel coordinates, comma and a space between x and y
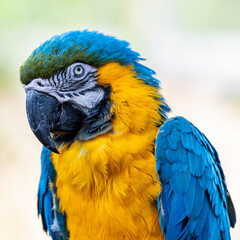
194, 47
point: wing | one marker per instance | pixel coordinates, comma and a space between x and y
53, 220
194, 203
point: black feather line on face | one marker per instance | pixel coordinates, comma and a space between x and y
98, 121
68, 84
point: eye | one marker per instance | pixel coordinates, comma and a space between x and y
78, 71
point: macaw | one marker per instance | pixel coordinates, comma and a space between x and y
113, 166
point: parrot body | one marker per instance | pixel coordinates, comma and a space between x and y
114, 174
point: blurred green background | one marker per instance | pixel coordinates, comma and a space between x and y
194, 47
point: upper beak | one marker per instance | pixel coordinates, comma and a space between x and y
43, 114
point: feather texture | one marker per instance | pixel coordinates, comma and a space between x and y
194, 197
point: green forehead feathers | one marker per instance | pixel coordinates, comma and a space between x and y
61, 51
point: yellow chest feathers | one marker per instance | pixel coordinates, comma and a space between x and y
104, 199
108, 186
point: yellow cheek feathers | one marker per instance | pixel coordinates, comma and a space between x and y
108, 186
135, 102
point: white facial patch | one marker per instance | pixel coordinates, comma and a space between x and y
76, 84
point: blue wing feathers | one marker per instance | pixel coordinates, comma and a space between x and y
47, 172
180, 181
47, 202
193, 203
47, 210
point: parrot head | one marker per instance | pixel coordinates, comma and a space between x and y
79, 83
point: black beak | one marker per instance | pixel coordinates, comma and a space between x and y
43, 114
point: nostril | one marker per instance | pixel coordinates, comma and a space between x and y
39, 84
